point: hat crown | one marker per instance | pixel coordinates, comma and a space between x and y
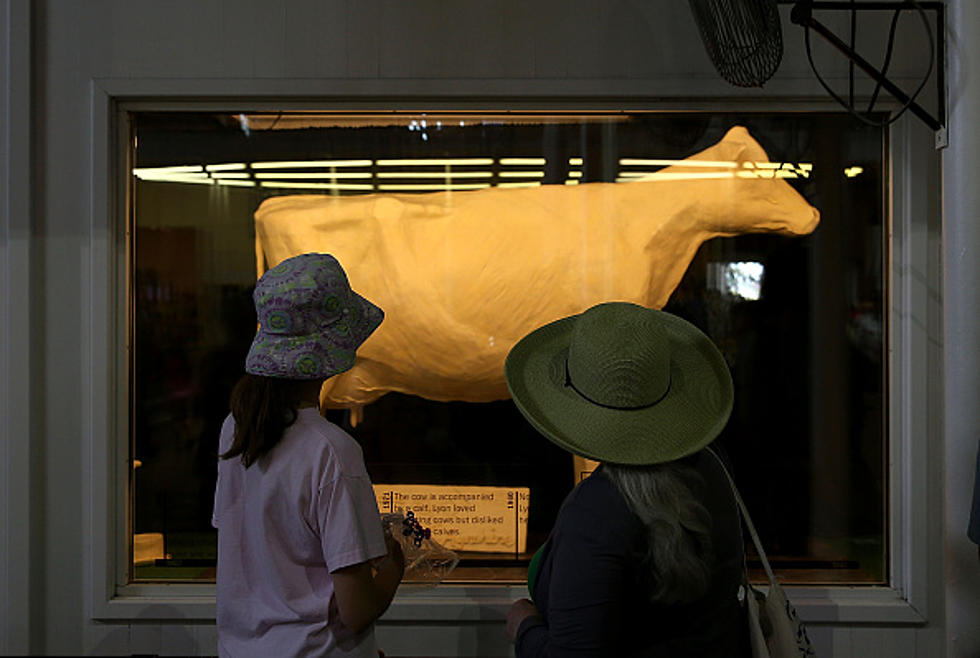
310, 321
619, 356
301, 295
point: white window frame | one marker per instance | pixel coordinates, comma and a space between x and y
915, 456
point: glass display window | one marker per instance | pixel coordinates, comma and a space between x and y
472, 228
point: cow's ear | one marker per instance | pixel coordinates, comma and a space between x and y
736, 134
729, 148
743, 147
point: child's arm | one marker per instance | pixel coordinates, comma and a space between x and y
361, 597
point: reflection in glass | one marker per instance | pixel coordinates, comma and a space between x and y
800, 319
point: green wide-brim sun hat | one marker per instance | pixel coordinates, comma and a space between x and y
658, 388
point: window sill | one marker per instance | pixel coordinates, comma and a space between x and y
471, 603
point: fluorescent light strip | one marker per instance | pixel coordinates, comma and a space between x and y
230, 174
236, 183
172, 177
310, 164
781, 169
434, 187
644, 162
316, 186
315, 175
572, 182
767, 173
512, 185
661, 176
575, 162
749, 169
435, 174
179, 179
634, 177
435, 161
575, 174
527, 162
230, 166
521, 174
182, 169
691, 175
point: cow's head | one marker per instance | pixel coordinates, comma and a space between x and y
755, 197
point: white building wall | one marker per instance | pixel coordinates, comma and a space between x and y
961, 314
59, 57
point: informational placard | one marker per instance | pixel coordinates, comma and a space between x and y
582, 467
464, 518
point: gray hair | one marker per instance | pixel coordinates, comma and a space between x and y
678, 527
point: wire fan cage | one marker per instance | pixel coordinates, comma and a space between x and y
742, 37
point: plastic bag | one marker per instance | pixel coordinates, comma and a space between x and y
427, 562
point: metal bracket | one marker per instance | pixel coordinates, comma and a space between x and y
802, 14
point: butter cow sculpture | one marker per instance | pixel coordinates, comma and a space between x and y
463, 275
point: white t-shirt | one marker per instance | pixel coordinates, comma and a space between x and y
284, 524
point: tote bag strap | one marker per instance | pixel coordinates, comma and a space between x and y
748, 521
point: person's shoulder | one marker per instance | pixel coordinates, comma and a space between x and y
595, 503
228, 425
322, 440
598, 495
714, 465
227, 434
596, 485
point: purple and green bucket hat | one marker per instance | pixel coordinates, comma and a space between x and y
310, 321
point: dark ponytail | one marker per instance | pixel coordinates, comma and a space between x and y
263, 407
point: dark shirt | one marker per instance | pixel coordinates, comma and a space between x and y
590, 590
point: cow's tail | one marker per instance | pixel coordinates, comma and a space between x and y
356, 414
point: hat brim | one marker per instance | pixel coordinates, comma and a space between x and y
318, 355
690, 416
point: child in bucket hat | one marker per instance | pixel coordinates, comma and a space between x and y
298, 523
310, 321
645, 557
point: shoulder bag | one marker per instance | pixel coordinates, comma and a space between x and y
775, 630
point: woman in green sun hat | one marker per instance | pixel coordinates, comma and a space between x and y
645, 557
